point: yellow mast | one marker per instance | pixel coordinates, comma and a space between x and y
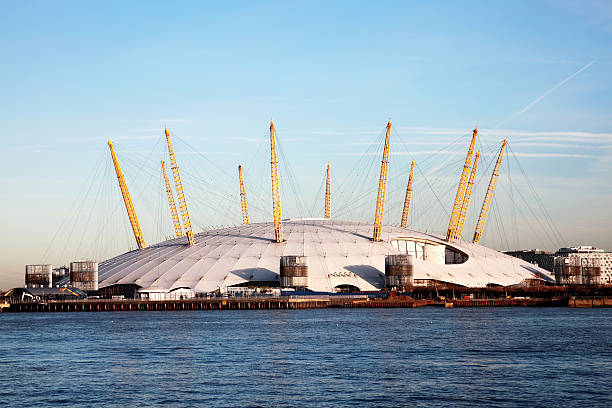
382, 187
466, 198
328, 195
452, 225
129, 206
486, 205
175, 219
180, 194
243, 200
276, 201
408, 198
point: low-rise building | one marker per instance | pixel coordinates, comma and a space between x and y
586, 260
545, 260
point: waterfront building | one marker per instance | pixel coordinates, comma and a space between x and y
585, 256
543, 259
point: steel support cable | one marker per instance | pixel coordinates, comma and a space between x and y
96, 242
215, 182
114, 222
500, 224
253, 185
361, 191
317, 196
141, 193
88, 219
161, 234
79, 211
481, 183
429, 208
357, 202
197, 192
193, 179
101, 244
95, 217
364, 191
351, 175
290, 178
210, 189
337, 193
363, 156
86, 184
527, 222
90, 200
100, 202
514, 219
549, 219
201, 198
256, 193
197, 152
548, 231
418, 167
257, 189
445, 149
392, 181
424, 176
141, 169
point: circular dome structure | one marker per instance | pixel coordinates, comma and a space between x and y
338, 254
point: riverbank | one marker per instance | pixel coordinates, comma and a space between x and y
298, 302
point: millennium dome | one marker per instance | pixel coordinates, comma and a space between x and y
340, 254
314, 254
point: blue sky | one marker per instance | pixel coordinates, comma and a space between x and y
330, 74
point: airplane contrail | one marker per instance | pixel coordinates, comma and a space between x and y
539, 98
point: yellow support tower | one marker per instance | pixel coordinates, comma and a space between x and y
454, 219
129, 206
408, 198
276, 201
180, 194
175, 219
466, 198
382, 188
243, 200
328, 194
486, 205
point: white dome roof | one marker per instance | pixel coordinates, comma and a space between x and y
339, 253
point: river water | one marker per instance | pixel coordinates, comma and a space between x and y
320, 357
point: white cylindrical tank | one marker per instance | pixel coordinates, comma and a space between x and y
294, 271
399, 270
84, 275
38, 276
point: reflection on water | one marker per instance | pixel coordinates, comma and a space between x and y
336, 357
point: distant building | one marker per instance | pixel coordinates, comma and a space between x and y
583, 265
38, 276
579, 250
545, 260
59, 274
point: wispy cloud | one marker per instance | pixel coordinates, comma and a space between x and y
461, 153
256, 139
33, 147
159, 129
545, 94
515, 135
556, 145
327, 132
111, 137
174, 120
566, 155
